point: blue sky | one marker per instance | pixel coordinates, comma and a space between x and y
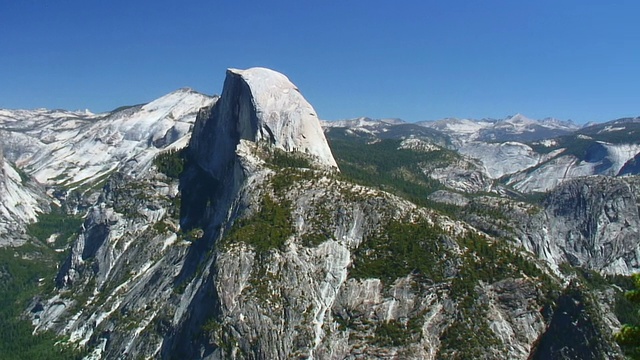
415, 60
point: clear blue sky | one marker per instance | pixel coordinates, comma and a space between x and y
414, 60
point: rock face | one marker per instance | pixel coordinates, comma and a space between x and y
21, 199
257, 106
69, 149
265, 252
571, 330
277, 113
502, 158
594, 223
560, 165
590, 222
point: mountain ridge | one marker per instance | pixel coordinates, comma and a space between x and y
249, 241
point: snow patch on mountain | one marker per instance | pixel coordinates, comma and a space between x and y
548, 142
70, 148
611, 128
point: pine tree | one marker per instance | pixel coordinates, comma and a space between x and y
629, 335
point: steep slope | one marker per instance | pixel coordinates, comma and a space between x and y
594, 223
603, 149
131, 228
21, 202
590, 223
500, 159
72, 148
282, 117
278, 255
288, 278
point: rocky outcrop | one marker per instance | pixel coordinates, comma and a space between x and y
71, 149
464, 175
576, 160
273, 110
590, 222
448, 197
594, 223
574, 331
277, 256
258, 106
21, 200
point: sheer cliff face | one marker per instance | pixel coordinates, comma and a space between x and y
261, 106
590, 222
594, 223
258, 107
277, 256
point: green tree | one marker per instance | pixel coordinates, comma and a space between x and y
629, 335
170, 163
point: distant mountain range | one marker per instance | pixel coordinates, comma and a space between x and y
525, 154
241, 226
513, 128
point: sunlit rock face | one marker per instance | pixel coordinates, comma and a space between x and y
205, 282
594, 223
260, 105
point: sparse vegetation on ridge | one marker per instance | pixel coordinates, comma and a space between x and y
170, 163
278, 158
267, 229
56, 222
400, 249
383, 165
24, 272
397, 333
469, 336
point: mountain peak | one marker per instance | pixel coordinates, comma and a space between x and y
281, 115
518, 118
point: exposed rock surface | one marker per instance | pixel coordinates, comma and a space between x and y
574, 332
465, 175
590, 222
559, 166
263, 251
277, 113
71, 148
21, 200
447, 197
512, 128
594, 223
